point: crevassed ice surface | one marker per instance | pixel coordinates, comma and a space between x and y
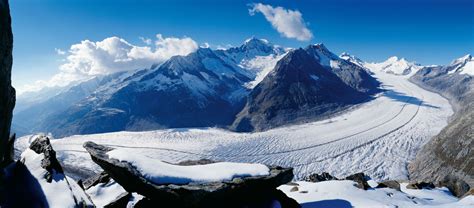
379, 138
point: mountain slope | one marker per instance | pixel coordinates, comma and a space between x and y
449, 155
298, 89
351, 74
205, 88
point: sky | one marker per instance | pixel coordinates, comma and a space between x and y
57, 42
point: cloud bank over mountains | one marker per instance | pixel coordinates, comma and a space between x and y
289, 23
88, 59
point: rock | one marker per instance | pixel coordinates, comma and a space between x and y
120, 202
421, 185
42, 145
318, 178
239, 192
457, 186
389, 184
7, 92
37, 180
195, 162
102, 177
469, 193
360, 179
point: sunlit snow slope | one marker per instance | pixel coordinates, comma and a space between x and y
379, 138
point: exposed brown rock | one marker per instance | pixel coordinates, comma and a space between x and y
389, 184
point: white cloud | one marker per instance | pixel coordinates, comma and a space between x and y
59, 51
88, 59
147, 41
288, 23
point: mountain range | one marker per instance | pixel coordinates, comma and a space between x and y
224, 88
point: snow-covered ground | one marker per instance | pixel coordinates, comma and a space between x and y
378, 138
343, 194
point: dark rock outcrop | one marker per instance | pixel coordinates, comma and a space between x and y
42, 145
389, 184
37, 180
421, 185
239, 192
320, 177
120, 202
458, 187
360, 179
102, 177
7, 92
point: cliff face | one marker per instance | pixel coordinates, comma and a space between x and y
7, 92
449, 156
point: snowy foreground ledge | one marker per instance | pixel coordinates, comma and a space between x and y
200, 183
160, 172
343, 194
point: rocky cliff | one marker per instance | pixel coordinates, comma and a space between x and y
7, 92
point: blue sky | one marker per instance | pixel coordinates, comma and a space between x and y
425, 31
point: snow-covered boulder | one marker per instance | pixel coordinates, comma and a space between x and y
39, 178
203, 185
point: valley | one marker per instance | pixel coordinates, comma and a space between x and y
379, 137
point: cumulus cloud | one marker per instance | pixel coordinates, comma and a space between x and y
288, 23
88, 59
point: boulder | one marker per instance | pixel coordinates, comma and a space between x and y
239, 192
360, 179
42, 145
389, 184
420, 185
457, 186
120, 202
102, 177
320, 177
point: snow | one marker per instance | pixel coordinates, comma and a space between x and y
261, 66
468, 68
165, 173
62, 191
134, 200
104, 193
463, 65
394, 65
345, 194
379, 138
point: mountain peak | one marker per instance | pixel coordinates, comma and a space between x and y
254, 40
392, 59
463, 59
320, 46
257, 44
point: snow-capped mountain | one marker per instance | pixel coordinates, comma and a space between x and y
257, 56
351, 74
298, 89
205, 88
351, 58
463, 65
395, 65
